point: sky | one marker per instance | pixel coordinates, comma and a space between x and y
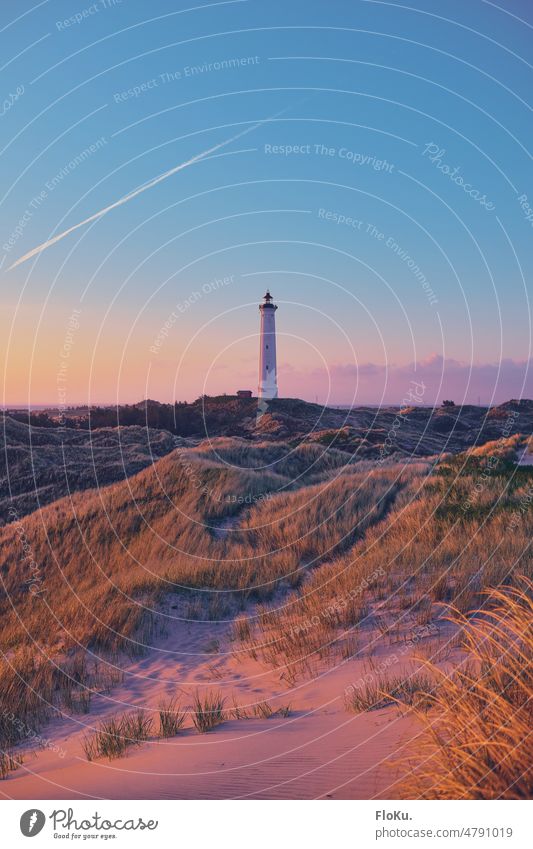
368, 162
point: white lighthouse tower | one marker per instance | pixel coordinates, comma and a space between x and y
268, 383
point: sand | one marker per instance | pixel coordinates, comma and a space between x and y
319, 751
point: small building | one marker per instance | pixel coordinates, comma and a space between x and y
244, 393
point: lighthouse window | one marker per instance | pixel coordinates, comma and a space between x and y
267, 347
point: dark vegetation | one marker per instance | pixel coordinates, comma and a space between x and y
38, 465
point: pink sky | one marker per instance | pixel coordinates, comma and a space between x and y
433, 380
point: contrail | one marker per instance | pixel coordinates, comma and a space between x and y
141, 189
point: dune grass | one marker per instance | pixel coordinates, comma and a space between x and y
171, 717
413, 689
207, 711
116, 735
9, 762
103, 561
35, 688
345, 547
446, 539
477, 740
263, 710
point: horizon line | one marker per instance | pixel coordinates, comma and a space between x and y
15, 407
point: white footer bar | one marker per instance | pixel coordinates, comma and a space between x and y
268, 824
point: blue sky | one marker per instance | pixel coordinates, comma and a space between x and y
344, 196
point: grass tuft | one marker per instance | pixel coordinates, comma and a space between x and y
171, 717
9, 763
208, 711
263, 710
414, 690
115, 735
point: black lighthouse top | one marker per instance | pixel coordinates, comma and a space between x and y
268, 299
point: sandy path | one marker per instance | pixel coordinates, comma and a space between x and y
320, 750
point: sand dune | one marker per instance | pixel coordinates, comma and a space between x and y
320, 750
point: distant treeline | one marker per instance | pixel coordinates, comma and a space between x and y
181, 418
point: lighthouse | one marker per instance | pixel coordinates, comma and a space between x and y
268, 383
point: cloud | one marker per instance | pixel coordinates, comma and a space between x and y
442, 377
